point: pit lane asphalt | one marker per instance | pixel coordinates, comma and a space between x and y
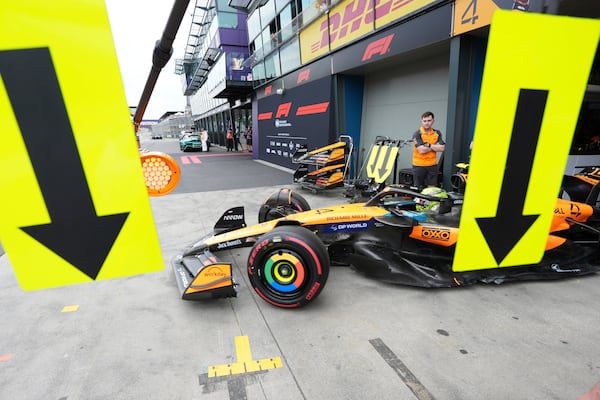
133, 338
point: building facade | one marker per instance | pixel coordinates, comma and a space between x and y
316, 69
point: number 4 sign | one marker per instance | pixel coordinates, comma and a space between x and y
74, 206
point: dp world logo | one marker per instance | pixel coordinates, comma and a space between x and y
279, 123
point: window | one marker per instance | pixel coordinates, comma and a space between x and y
281, 4
290, 56
258, 74
285, 19
267, 12
223, 5
227, 19
254, 25
272, 67
267, 40
310, 11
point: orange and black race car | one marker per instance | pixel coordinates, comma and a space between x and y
583, 186
398, 236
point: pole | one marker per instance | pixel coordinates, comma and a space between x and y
163, 50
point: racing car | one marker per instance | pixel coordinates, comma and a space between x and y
392, 237
583, 186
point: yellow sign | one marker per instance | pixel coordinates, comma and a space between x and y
535, 76
392, 10
381, 161
74, 206
349, 20
472, 14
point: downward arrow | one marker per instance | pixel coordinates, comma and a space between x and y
384, 169
371, 166
503, 231
76, 233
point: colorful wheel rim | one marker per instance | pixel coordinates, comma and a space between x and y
284, 272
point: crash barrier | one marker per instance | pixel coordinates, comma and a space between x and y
161, 172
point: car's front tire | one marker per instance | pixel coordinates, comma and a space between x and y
288, 267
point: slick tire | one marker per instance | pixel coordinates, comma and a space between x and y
280, 204
288, 267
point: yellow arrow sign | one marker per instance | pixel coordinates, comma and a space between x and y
381, 161
535, 76
74, 206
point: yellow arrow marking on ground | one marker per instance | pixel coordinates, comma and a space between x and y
244, 363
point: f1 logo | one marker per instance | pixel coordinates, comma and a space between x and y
283, 110
380, 46
303, 76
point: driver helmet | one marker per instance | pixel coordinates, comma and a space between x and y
424, 204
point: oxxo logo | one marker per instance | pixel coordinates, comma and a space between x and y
380, 46
436, 234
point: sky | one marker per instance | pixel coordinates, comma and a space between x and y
136, 25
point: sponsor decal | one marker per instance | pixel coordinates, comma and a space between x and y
313, 109
233, 217
351, 217
436, 234
214, 272
279, 123
183, 277
230, 243
284, 111
346, 227
575, 210
352, 19
303, 76
313, 290
255, 250
380, 46
557, 268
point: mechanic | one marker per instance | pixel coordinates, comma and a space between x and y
427, 142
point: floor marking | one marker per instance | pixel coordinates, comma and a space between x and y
239, 374
190, 160
70, 308
420, 392
244, 363
6, 357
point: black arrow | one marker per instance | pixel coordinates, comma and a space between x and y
503, 231
76, 233
371, 168
384, 169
